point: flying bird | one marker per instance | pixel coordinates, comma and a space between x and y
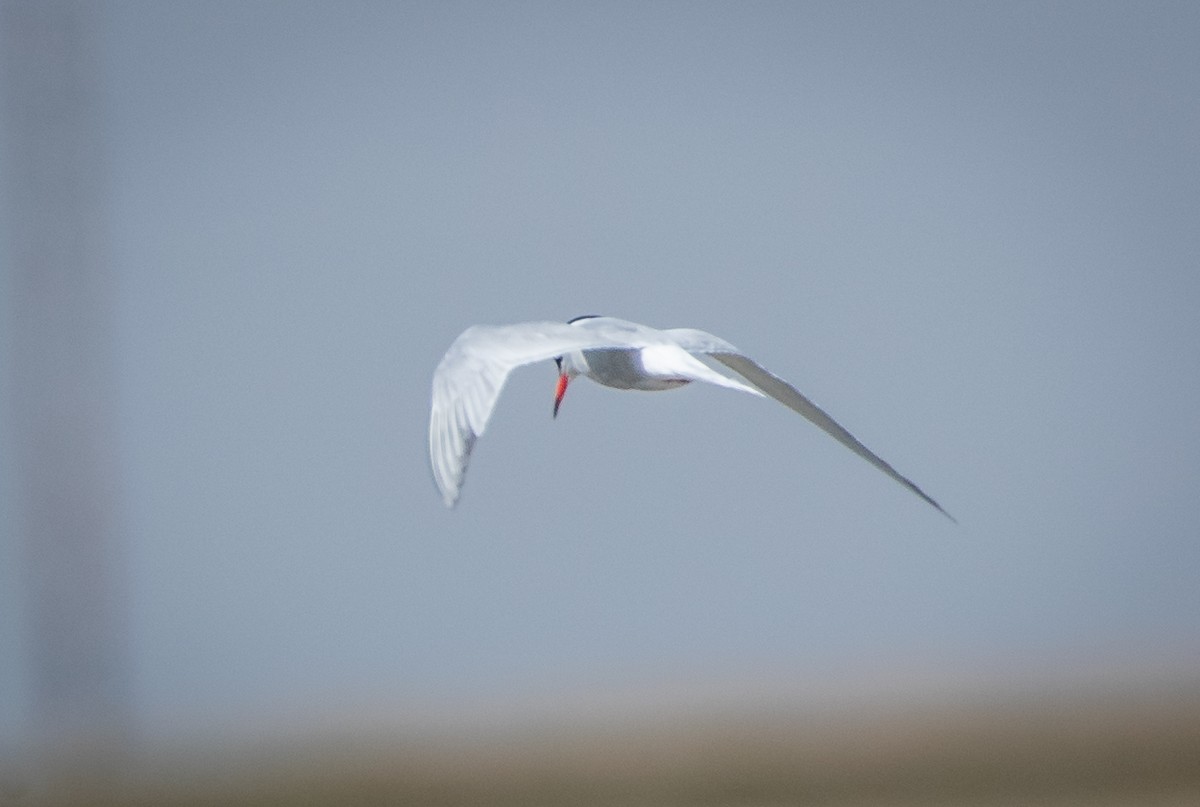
609, 351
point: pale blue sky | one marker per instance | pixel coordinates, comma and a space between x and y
968, 230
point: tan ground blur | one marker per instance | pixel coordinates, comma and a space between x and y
1139, 749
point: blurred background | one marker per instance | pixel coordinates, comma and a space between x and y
238, 238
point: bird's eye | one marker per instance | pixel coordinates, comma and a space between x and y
558, 361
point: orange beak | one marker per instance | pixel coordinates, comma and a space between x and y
560, 391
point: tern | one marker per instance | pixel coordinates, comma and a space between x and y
609, 351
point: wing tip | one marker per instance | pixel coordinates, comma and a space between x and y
928, 499
942, 510
448, 487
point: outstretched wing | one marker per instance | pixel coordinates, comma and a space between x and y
469, 378
695, 341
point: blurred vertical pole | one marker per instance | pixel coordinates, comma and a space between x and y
63, 387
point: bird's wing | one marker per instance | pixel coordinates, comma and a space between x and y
469, 378
696, 341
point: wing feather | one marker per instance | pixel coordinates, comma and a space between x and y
696, 341
470, 377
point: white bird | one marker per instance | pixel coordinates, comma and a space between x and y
609, 351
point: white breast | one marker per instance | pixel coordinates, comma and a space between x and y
626, 369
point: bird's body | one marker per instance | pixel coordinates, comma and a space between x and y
621, 369
609, 351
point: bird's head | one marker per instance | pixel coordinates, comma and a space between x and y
567, 368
